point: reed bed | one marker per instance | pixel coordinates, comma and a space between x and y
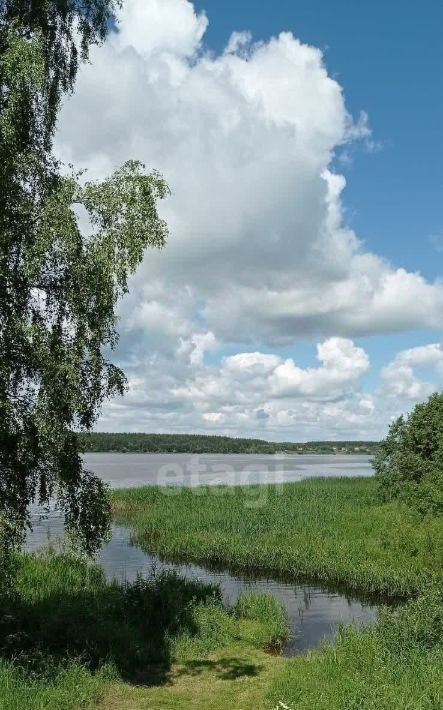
331, 530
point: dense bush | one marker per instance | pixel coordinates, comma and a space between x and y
409, 462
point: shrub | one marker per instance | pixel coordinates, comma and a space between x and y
409, 462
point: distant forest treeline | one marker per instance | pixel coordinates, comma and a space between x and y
204, 444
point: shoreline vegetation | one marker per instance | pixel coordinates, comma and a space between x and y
69, 639
334, 531
102, 442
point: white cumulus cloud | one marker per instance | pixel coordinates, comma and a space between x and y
246, 142
260, 253
400, 379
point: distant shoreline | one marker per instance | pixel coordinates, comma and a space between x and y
109, 442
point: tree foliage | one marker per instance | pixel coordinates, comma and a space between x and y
409, 462
58, 285
212, 444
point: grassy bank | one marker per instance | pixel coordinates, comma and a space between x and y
335, 531
69, 639
396, 665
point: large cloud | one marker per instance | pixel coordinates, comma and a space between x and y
258, 393
245, 140
259, 252
400, 379
254, 377
249, 392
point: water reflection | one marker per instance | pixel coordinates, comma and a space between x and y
314, 612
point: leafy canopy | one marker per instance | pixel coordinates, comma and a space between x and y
59, 287
409, 462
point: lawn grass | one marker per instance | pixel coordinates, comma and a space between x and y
234, 678
331, 530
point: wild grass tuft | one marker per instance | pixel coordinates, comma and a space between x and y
272, 628
67, 686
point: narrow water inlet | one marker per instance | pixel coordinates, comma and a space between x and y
314, 612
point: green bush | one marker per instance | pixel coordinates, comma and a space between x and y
409, 462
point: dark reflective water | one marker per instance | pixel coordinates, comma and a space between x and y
128, 470
314, 612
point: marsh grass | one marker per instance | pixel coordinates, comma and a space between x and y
331, 530
395, 665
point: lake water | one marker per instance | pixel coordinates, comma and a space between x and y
128, 470
314, 612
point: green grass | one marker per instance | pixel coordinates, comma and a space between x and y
71, 640
67, 687
257, 621
67, 635
334, 531
216, 657
395, 665
235, 677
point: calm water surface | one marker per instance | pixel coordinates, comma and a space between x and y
314, 612
127, 470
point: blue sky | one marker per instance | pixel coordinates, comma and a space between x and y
280, 290
388, 57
